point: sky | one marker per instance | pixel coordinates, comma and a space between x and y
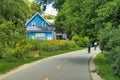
49, 10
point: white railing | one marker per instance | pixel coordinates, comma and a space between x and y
34, 28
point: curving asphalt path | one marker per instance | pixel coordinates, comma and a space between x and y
70, 66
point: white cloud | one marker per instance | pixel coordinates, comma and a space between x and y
50, 10
31, 0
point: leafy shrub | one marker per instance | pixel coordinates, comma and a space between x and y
76, 39
22, 48
80, 41
35, 43
9, 34
54, 45
72, 44
1, 54
84, 41
8, 52
109, 44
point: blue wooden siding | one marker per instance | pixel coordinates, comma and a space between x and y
41, 35
38, 22
41, 29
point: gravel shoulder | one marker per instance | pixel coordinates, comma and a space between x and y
93, 68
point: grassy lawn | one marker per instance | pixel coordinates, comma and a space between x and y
6, 66
104, 69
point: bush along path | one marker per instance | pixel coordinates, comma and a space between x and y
110, 46
71, 66
27, 50
103, 68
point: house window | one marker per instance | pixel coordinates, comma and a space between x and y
44, 24
40, 36
33, 24
49, 38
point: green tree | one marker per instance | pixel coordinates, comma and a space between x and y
35, 7
69, 17
14, 10
44, 3
9, 35
58, 4
109, 43
87, 17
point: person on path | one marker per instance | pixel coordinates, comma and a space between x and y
89, 45
95, 45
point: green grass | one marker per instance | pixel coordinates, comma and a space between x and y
104, 69
7, 65
48, 54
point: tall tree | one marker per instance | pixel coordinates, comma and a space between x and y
57, 4
85, 18
44, 3
88, 18
14, 10
68, 17
35, 7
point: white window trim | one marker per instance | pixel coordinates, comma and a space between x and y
43, 23
33, 24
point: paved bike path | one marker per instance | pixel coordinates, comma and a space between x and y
70, 66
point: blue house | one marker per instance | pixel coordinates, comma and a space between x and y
38, 28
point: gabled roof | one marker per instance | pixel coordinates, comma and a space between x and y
34, 16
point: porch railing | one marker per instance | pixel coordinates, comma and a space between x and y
39, 29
